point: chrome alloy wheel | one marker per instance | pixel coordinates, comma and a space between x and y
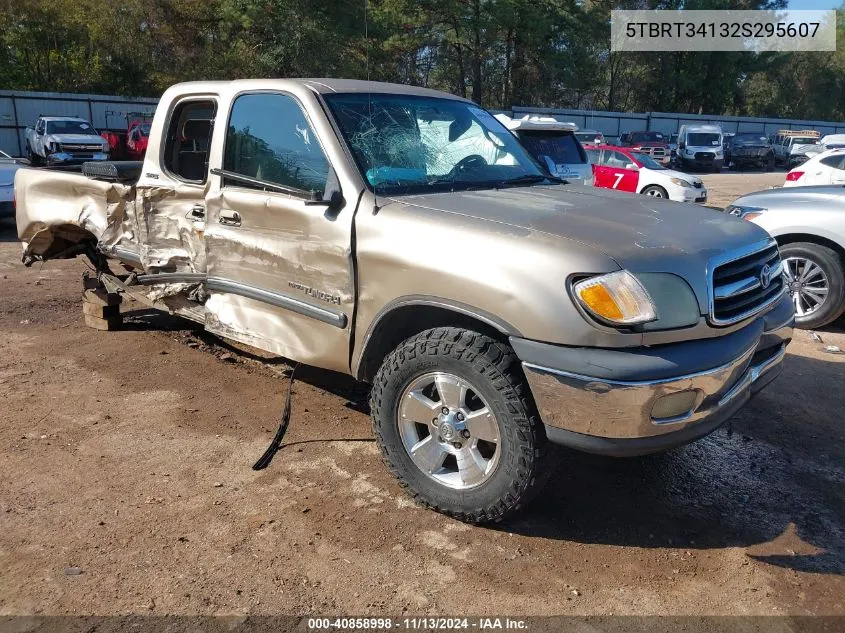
448, 430
655, 193
807, 283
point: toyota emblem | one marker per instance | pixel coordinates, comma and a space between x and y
765, 276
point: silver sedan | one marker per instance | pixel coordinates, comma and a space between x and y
809, 226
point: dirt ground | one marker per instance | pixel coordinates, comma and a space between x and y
125, 487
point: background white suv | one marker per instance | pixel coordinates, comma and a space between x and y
827, 168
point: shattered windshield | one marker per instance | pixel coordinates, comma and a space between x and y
69, 126
412, 144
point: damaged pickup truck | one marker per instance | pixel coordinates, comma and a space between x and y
403, 236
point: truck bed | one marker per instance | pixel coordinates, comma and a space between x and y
61, 212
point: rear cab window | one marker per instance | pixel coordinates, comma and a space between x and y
188, 141
560, 146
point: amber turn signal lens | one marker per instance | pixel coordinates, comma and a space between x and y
618, 298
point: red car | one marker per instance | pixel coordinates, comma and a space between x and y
131, 145
655, 144
626, 170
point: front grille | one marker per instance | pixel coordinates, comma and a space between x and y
656, 152
81, 148
704, 156
740, 290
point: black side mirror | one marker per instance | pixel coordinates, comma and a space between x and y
331, 198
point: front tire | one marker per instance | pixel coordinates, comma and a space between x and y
815, 280
34, 159
457, 426
655, 191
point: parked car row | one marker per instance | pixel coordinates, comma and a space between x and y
640, 167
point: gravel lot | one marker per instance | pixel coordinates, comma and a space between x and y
125, 487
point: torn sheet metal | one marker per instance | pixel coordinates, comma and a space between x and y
57, 210
171, 234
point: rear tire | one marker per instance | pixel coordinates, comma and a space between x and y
822, 298
432, 458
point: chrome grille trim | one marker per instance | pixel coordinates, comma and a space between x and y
735, 291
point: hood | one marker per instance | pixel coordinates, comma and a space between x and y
803, 149
640, 233
86, 139
650, 144
754, 144
7, 174
671, 173
794, 197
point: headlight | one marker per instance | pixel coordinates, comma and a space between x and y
689, 152
618, 298
718, 153
681, 182
744, 213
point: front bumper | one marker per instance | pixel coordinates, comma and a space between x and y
702, 163
645, 400
66, 158
689, 194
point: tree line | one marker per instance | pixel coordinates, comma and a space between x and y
547, 53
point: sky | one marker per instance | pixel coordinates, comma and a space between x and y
815, 4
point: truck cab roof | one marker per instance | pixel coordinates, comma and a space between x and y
317, 85
535, 122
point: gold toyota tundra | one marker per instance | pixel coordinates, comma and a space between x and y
403, 236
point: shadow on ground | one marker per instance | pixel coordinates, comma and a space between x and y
774, 473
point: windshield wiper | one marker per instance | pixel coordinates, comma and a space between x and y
528, 179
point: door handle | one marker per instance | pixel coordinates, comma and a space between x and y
230, 218
197, 212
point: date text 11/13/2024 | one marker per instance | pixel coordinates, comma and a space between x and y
417, 624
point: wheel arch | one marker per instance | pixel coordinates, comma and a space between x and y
408, 316
657, 185
794, 237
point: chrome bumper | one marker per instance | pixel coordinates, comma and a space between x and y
630, 418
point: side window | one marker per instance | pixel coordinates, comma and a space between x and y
837, 161
269, 139
594, 156
617, 160
39, 127
189, 140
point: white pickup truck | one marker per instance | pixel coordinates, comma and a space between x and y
64, 140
